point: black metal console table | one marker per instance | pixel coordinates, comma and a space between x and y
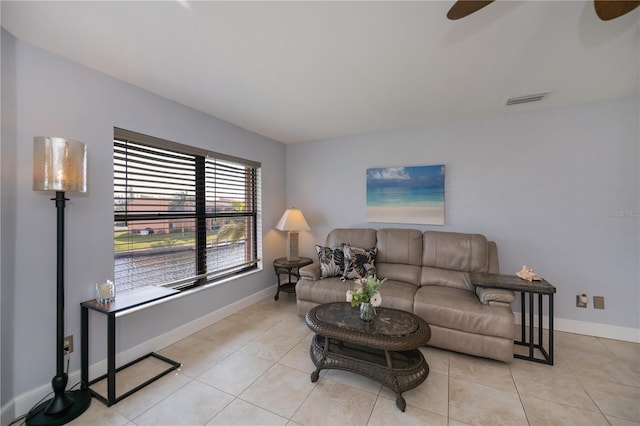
541, 288
124, 302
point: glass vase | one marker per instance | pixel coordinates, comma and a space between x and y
105, 292
367, 312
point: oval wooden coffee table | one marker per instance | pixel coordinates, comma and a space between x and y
385, 349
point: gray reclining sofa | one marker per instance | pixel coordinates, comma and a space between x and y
427, 274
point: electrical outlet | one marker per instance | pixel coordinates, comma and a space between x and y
598, 302
68, 345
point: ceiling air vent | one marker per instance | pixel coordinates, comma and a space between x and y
527, 98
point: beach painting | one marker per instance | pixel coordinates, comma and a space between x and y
406, 195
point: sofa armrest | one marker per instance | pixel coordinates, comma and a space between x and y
488, 295
310, 272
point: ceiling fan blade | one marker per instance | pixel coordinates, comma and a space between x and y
463, 8
611, 9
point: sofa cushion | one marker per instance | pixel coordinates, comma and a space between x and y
397, 295
460, 309
323, 291
358, 262
331, 261
455, 251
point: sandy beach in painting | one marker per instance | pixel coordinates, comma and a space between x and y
425, 215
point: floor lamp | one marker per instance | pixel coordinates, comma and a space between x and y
59, 165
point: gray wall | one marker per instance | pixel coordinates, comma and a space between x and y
56, 97
8, 216
547, 186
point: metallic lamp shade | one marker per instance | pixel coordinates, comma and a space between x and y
59, 165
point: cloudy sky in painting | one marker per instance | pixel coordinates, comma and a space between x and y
424, 176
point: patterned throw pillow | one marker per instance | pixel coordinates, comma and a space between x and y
358, 262
331, 261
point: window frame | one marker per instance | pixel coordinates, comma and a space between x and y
202, 161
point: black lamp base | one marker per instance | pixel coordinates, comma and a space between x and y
81, 401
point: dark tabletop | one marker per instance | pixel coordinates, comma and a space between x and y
510, 282
293, 263
391, 329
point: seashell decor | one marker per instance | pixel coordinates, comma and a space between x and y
527, 273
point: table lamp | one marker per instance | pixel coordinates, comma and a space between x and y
292, 221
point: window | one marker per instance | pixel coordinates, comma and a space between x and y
182, 216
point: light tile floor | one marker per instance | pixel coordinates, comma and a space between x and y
253, 368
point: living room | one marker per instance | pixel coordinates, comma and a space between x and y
556, 187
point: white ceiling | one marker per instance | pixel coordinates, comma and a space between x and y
298, 71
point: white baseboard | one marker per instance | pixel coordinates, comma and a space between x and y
21, 404
608, 331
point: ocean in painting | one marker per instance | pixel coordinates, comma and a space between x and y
406, 195
390, 197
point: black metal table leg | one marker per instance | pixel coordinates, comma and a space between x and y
523, 319
84, 346
531, 343
550, 359
111, 359
540, 317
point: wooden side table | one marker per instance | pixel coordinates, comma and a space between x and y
290, 268
541, 288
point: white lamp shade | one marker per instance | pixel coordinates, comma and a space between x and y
59, 165
293, 220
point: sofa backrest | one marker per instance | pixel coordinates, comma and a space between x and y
399, 246
356, 237
399, 255
429, 258
447, 258
456, 251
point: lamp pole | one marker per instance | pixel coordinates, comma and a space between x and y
60, 401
